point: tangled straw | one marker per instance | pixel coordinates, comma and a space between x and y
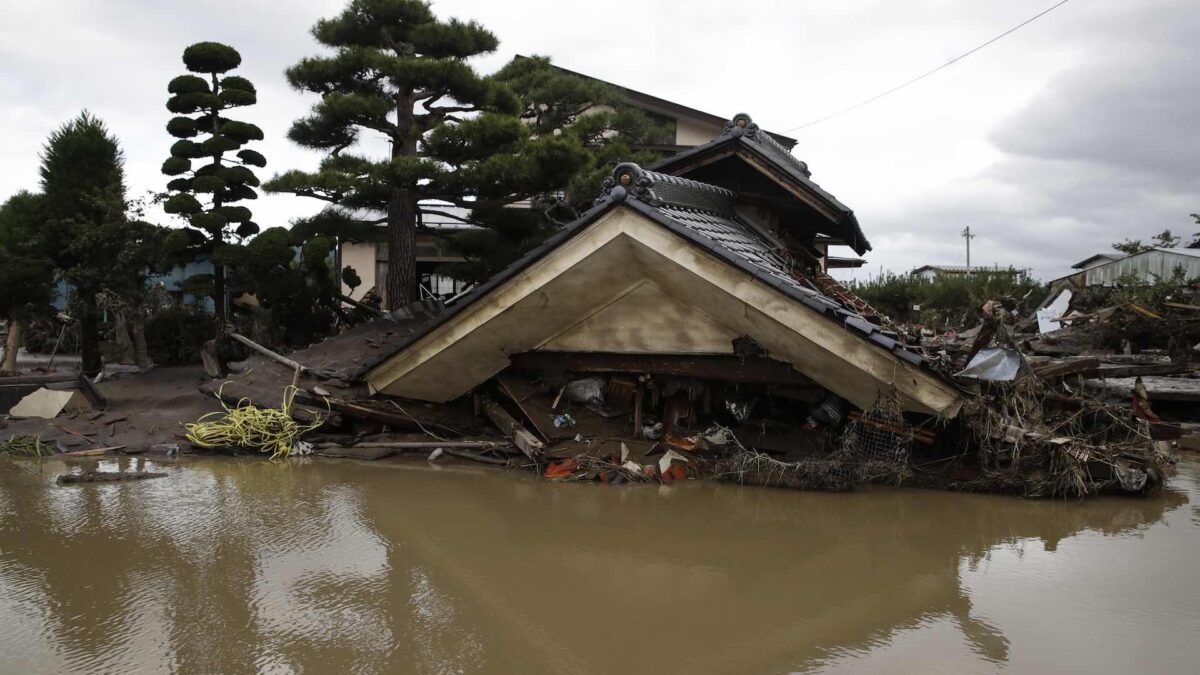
246, 426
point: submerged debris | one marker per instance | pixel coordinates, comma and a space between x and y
107, 476
25, 446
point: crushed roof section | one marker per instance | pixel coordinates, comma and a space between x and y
742, 131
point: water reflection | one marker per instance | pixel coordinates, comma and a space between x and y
242, 566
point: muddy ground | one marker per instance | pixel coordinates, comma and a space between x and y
144, 410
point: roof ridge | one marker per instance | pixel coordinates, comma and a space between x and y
631, 181
743, 125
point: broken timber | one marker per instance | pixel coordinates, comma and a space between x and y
512, 429
107, 476
292, 365
750, 369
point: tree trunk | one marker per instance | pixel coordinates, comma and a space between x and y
141, 354
219, 293
401, 282
89, 336
121, 337
402, 250
12, 343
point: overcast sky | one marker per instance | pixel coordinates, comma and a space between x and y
1076, 131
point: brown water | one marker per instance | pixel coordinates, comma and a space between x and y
231, 566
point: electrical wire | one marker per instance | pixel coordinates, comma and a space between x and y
931, 72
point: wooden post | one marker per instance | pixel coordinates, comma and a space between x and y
512, 429
268, 353
638, 395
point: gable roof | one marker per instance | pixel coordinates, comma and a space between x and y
665, 107
743, 136
702, 215
1099, 256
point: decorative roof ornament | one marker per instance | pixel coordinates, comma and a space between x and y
630, 181
743, 125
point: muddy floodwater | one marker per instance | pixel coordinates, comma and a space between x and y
242, 566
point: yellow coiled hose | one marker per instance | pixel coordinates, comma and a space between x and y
245, 426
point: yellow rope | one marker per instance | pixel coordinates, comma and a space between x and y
246, 426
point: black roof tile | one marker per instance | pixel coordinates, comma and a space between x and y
742, 131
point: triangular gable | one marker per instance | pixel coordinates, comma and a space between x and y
646, 243
646, 320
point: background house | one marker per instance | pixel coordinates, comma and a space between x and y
932, 272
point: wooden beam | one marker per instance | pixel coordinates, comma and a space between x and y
1064, 368
417, 445
522, 393
512, 429
1138, 370
292, 365
750, 369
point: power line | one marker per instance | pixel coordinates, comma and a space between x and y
931, 72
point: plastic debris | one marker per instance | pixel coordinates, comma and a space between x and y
995, 364
564, 421
588, 391
740, 409
652, 432
561, 469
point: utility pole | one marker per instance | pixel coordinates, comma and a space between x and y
966, 234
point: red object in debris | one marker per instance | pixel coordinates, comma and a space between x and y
562, 469
1141, 403
681, 443
678, 471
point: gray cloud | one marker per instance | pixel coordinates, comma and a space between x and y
1051, 144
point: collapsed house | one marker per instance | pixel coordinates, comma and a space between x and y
684, 327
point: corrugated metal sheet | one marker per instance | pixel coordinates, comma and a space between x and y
1148, 266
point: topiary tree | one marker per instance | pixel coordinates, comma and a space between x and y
26, 275
212, 171
398, 71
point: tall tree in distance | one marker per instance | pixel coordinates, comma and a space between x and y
454, 136
26, 275
212, 173
83, 218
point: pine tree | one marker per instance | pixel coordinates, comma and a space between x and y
455, 136
213, 173
26, 275
555, 102
83, 221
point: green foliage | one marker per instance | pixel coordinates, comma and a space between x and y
211, 57
1163, 239
26, 274
296, 291
175, 335
188, 84
401, 72
351, 278
949, 301
85, 227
